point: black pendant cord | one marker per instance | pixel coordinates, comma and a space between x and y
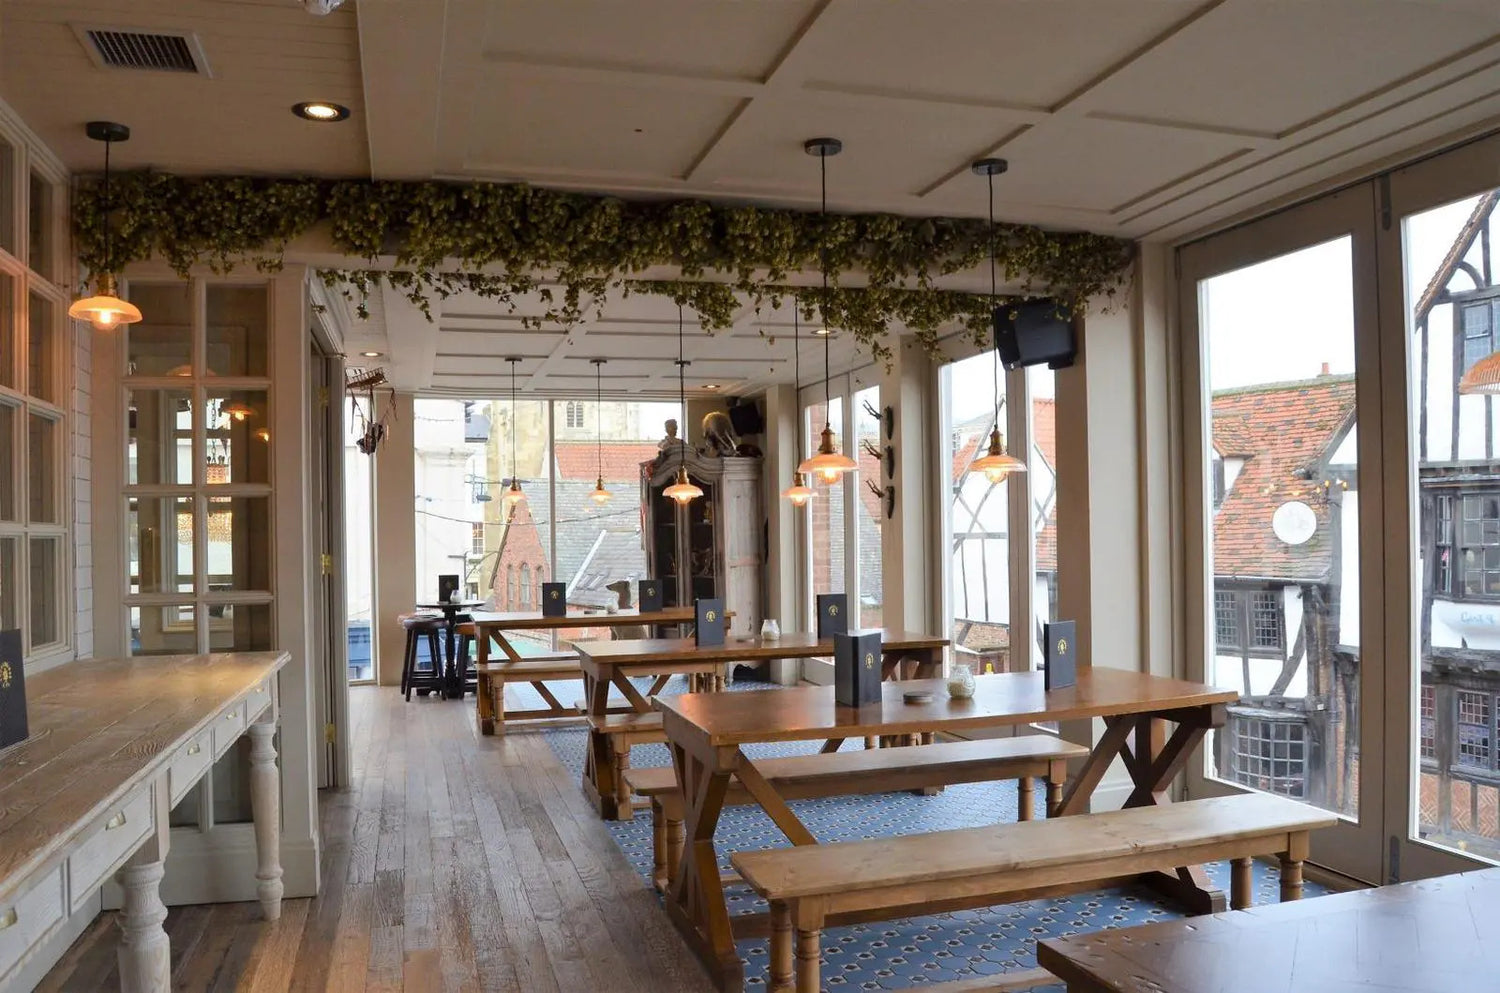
797, 368
823, 265
513, 481
991, 178
108, 206
682, 388
598, 415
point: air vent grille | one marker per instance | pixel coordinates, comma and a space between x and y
142, 50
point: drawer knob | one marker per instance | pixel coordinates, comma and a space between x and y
230, 717
116, 821
194, 749
8, 919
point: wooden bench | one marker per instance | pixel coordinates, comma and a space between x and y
493, 675
620, 733
887, 878
881, 770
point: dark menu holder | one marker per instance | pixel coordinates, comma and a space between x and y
554, 599
709, 617
833, 615
447, 586
1062, 655
12, 690
648, 596
856, 668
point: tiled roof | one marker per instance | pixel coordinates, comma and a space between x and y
1483, 208
1287, 428
622, 460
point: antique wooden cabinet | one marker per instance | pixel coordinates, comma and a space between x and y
711, 546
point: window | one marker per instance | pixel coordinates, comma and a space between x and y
1249, 622
1265, 621
476, 546
1478, 320
1475, 738
525, 586
1479, 545
827, 535
1442, 545
1269, 755
871, 505
510, 585
1428, 705
573, 414
36, 588
1227, 620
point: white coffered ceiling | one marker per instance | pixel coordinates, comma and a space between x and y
1142, 119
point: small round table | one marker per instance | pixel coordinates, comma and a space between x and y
453, 680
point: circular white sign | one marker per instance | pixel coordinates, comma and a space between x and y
1294, 522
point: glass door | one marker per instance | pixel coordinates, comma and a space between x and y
1283, 459
1440, 285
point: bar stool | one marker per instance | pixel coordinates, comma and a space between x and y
424, 682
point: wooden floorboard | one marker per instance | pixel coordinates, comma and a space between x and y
452, 863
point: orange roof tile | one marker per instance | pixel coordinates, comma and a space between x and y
622, 459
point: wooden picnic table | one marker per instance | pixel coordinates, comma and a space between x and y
706, 733
500, 624
613, 663
1432, 936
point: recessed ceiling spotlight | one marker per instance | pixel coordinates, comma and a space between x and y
320, 110
372, 355
823, 332
712, 386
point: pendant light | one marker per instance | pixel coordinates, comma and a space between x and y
683, 489
600, 495
828, 465
105, 310
513, 495
799, 492
995, 463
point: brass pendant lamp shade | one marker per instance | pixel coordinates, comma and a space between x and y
995, 463
105, 310
600, 495
513, 495
828, 465
683, 489
799, 492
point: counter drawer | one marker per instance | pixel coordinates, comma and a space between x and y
228, 728
190, 764
26, 921
258, 702
112, 842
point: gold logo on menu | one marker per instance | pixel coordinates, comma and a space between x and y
555, 594
711, 616
869, 660
1062, 646
833, 610
5, 675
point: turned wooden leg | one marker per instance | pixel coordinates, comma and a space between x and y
484, 700
658, 846
1025, 798
781, 947
145, 953
1291, 879
808, 953
623, 809
265, 801
1241, 884
676, 834
1057, 775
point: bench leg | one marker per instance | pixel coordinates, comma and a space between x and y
1025, 798
623, 809
809, 952
1291, 879
485, 702
781, 947
1241, 884
658, 846
676, 835
1057, 775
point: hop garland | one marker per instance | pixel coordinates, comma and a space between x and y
499, 241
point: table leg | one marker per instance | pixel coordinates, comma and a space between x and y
696, 902
484, 703
599, 769
265, 801
454, 678
145, 953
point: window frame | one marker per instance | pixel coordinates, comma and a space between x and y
1489, 299
1244, 597
30, 166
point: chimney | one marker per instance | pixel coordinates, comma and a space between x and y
1323, 371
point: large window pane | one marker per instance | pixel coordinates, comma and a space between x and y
162, 343
1453, 301
1281, 480
44, 455
359, 539
239, 543
826, 510
159, 437
240, 627
9, 419
45, 591
237, 319
162, 631
159, 535
8, 341
239, 438
10, 584
868, 435
41, 352
42, 226
1041, 467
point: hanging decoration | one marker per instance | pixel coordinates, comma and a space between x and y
995, 463
513, 495
105, 310
829, 464
683, 489
600, 495
799, 492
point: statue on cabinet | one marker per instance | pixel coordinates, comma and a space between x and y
718, 433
